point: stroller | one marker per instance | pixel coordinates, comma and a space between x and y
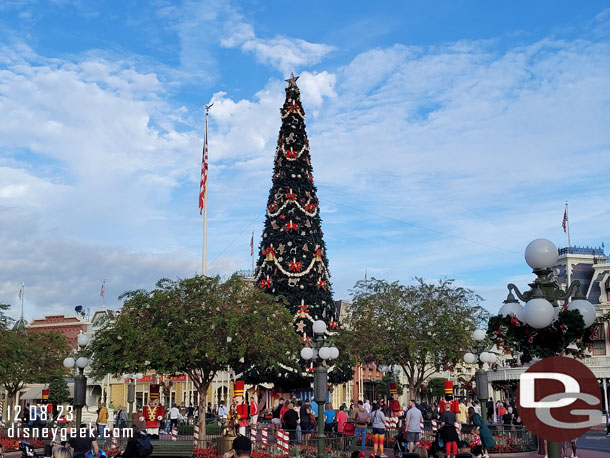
27, 450
437, 449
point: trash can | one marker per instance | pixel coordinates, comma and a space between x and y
225, 443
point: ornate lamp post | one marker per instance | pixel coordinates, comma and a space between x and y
321, 349
131, 393
544, 327
80, 381
479, 354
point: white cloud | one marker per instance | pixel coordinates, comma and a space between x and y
286, 54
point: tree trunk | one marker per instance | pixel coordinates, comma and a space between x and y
412, 392
202, 390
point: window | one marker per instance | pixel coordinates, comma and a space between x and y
599, 348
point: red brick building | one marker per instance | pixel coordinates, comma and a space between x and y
69, 326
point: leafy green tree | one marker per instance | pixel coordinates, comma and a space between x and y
4, 320
437, 387
30, 357
58, 391
423, 328
198, 326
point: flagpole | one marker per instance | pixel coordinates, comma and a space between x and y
252, 252
568, 224
21, 297
205, 199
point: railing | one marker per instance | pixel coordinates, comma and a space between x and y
509, 439
582, 250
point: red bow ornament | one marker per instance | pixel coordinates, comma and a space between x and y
291, 226
291, 196
291, 154
265, 283
269, 253
322, 285
310, 207
303, 309
333, 325
295, 265
318, 253
273, 207
293, 107
306, 340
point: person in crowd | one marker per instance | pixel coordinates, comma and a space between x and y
487, 440
242, 448
62, 452
361, 419
448, 432
413, 420
501, 410
102, 419
341, 419
81, 444
276, 414
378, 420
253, 412
290, 420
305, 420
367, 405
329, 419
297, 409
314, 408
132, 450
566, 451
462, 415
508, 418
120, 418
477, 407
174, 416
490, 410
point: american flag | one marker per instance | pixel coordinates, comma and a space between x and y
102, 292
565, 220
252, 245
204, 173
21, 291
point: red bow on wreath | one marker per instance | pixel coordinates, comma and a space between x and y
291, 154
291, 226
310, 207
333, 325
295, 265
306, 340
303, 309
291, 196
514, 321
265, 283
322, 285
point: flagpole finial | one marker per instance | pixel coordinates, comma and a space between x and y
292, 81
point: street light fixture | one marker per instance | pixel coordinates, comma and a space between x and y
80, 381
320, 351
543, 302
482, 357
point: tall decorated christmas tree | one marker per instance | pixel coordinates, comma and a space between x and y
292, 258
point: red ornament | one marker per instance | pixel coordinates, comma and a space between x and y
282, 217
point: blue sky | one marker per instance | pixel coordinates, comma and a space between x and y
444, 135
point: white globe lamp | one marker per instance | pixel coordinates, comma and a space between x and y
82, 362
324, 353
334, 352
470, 358
319, 327
69, 362
492, 358
541, 254
510, 308
484, 357
307, 353
478, 335
538, 313
82, 340
586, 310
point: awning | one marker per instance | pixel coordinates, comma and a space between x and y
32, 393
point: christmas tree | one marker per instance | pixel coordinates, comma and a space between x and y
292, 255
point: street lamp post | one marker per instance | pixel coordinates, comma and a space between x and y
544, 299
80, 380
131, 393
481, 356
319, 352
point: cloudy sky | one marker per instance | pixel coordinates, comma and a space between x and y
445, 136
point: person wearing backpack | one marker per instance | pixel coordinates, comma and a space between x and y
361, 420
138, 446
